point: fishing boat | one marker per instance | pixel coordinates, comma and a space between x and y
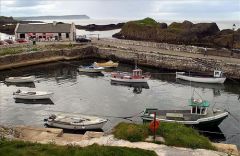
108, 64
135, 77
198, 116
91, 69
20, 79
75, 122
216, 78
34, 95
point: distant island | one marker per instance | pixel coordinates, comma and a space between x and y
64, 17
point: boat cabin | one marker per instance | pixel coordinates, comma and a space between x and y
218, 73
198, 106
137, 73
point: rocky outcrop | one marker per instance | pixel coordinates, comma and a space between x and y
200, 34
94, 27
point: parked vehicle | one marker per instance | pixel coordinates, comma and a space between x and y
10, 41
75, 122
3, 43
21, 40
81, 39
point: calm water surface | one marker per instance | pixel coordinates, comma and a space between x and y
75, 92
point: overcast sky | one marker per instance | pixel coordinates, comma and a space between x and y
204, 10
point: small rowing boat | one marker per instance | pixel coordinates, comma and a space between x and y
20, 79
216, 78
34, 95
75, 122
91, 69
109, 64
135, 77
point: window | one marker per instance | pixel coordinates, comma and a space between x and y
67, 35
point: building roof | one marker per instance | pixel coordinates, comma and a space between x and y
44, 28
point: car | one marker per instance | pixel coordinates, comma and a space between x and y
3, 43
9, 41
80, 39
21, 40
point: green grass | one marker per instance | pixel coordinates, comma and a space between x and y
173, 133
29, 48
17, 50
20, 148
180, 135
146, 22
131, 132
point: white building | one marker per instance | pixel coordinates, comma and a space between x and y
46, 32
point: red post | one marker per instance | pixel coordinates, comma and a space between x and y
154, 131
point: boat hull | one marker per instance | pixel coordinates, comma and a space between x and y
212, 121
77, 127
114, 65
129, 80
179, 75
33, 97
20, 79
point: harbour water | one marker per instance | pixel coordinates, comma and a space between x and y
91, 94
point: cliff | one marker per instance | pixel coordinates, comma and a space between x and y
200, 34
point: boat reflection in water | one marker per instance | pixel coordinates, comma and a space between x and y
215, 87
215, 134
92, 75
137, 87
26, 84
30, 101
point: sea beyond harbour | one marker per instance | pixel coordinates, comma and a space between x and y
109, 33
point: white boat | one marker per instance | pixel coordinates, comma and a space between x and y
20, 79
198, 116
75, 122
91, 69
216, 78
135, 77
109, 64
32, 95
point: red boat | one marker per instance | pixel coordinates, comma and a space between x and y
135, 77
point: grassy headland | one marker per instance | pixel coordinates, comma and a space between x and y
173, 133
20, 148
188, 33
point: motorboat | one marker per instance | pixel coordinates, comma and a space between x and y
216, 78
135, 77
108, 64
91, 69
198, 116
75, 122
20, 79
33, 95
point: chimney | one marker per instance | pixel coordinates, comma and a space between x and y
54, 23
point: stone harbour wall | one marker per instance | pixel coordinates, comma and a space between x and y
152, 59
31, 58
178, 48
171, 62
